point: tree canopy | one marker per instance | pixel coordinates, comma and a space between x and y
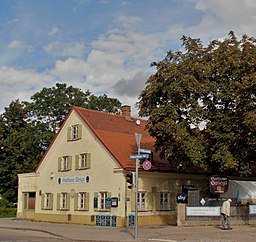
27, 128
201, 104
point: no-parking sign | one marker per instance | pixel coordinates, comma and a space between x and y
146, 165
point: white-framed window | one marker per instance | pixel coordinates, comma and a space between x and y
141, 200
103, 197
83, 161
63, 200
47, 200
82, 201
83, 158
164, 200
74, 132
64, 163
102, 200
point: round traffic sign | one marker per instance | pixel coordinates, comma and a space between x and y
146, 165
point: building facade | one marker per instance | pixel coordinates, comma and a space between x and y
82, 176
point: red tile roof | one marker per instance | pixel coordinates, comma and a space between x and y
117, 134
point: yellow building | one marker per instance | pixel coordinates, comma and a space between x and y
82, 176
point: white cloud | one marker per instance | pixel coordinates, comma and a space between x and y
20, 84
58, 48
54, 31
16, 44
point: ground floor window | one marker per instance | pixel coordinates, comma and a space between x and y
82, 201
102, 201
141, 200
47, 201
63, 201
164, 200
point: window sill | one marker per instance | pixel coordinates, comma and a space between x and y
103, 210
75, 139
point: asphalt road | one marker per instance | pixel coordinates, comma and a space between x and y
11, 235
24, 231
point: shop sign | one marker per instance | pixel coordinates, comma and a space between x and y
203, 211
74, 179
252, 209
182, 198
218, 184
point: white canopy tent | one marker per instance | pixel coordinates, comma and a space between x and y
244, 191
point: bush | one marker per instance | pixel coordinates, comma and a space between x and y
7, 212
4, 203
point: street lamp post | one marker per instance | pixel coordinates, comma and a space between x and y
138, 139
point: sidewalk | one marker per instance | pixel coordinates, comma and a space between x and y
73, 232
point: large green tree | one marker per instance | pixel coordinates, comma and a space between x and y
201, 104
20, 148
27, 128
51, 105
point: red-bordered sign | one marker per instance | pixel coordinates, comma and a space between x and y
146, 165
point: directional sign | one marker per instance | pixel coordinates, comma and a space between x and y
145, 151
140, 156
146, 165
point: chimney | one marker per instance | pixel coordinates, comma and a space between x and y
126, 111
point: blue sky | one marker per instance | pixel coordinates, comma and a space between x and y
105, 46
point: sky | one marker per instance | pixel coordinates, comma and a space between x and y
104, 46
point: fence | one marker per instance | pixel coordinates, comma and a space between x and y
198, 216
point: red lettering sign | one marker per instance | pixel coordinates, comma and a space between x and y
218, 184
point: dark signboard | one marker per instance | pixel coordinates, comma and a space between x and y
218, 184
107, 220
113, 221
114, 202
182, 197
98, 220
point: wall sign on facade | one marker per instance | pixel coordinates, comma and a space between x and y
203, 211
182, 198
74, 179
218, 184
252, 209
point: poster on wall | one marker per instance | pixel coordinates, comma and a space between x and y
218, 184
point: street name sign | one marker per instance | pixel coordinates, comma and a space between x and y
140, 156
145, 151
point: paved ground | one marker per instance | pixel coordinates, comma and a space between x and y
72, 232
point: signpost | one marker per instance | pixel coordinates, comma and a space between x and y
142, 154
138, 139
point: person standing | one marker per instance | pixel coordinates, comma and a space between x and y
225, 214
